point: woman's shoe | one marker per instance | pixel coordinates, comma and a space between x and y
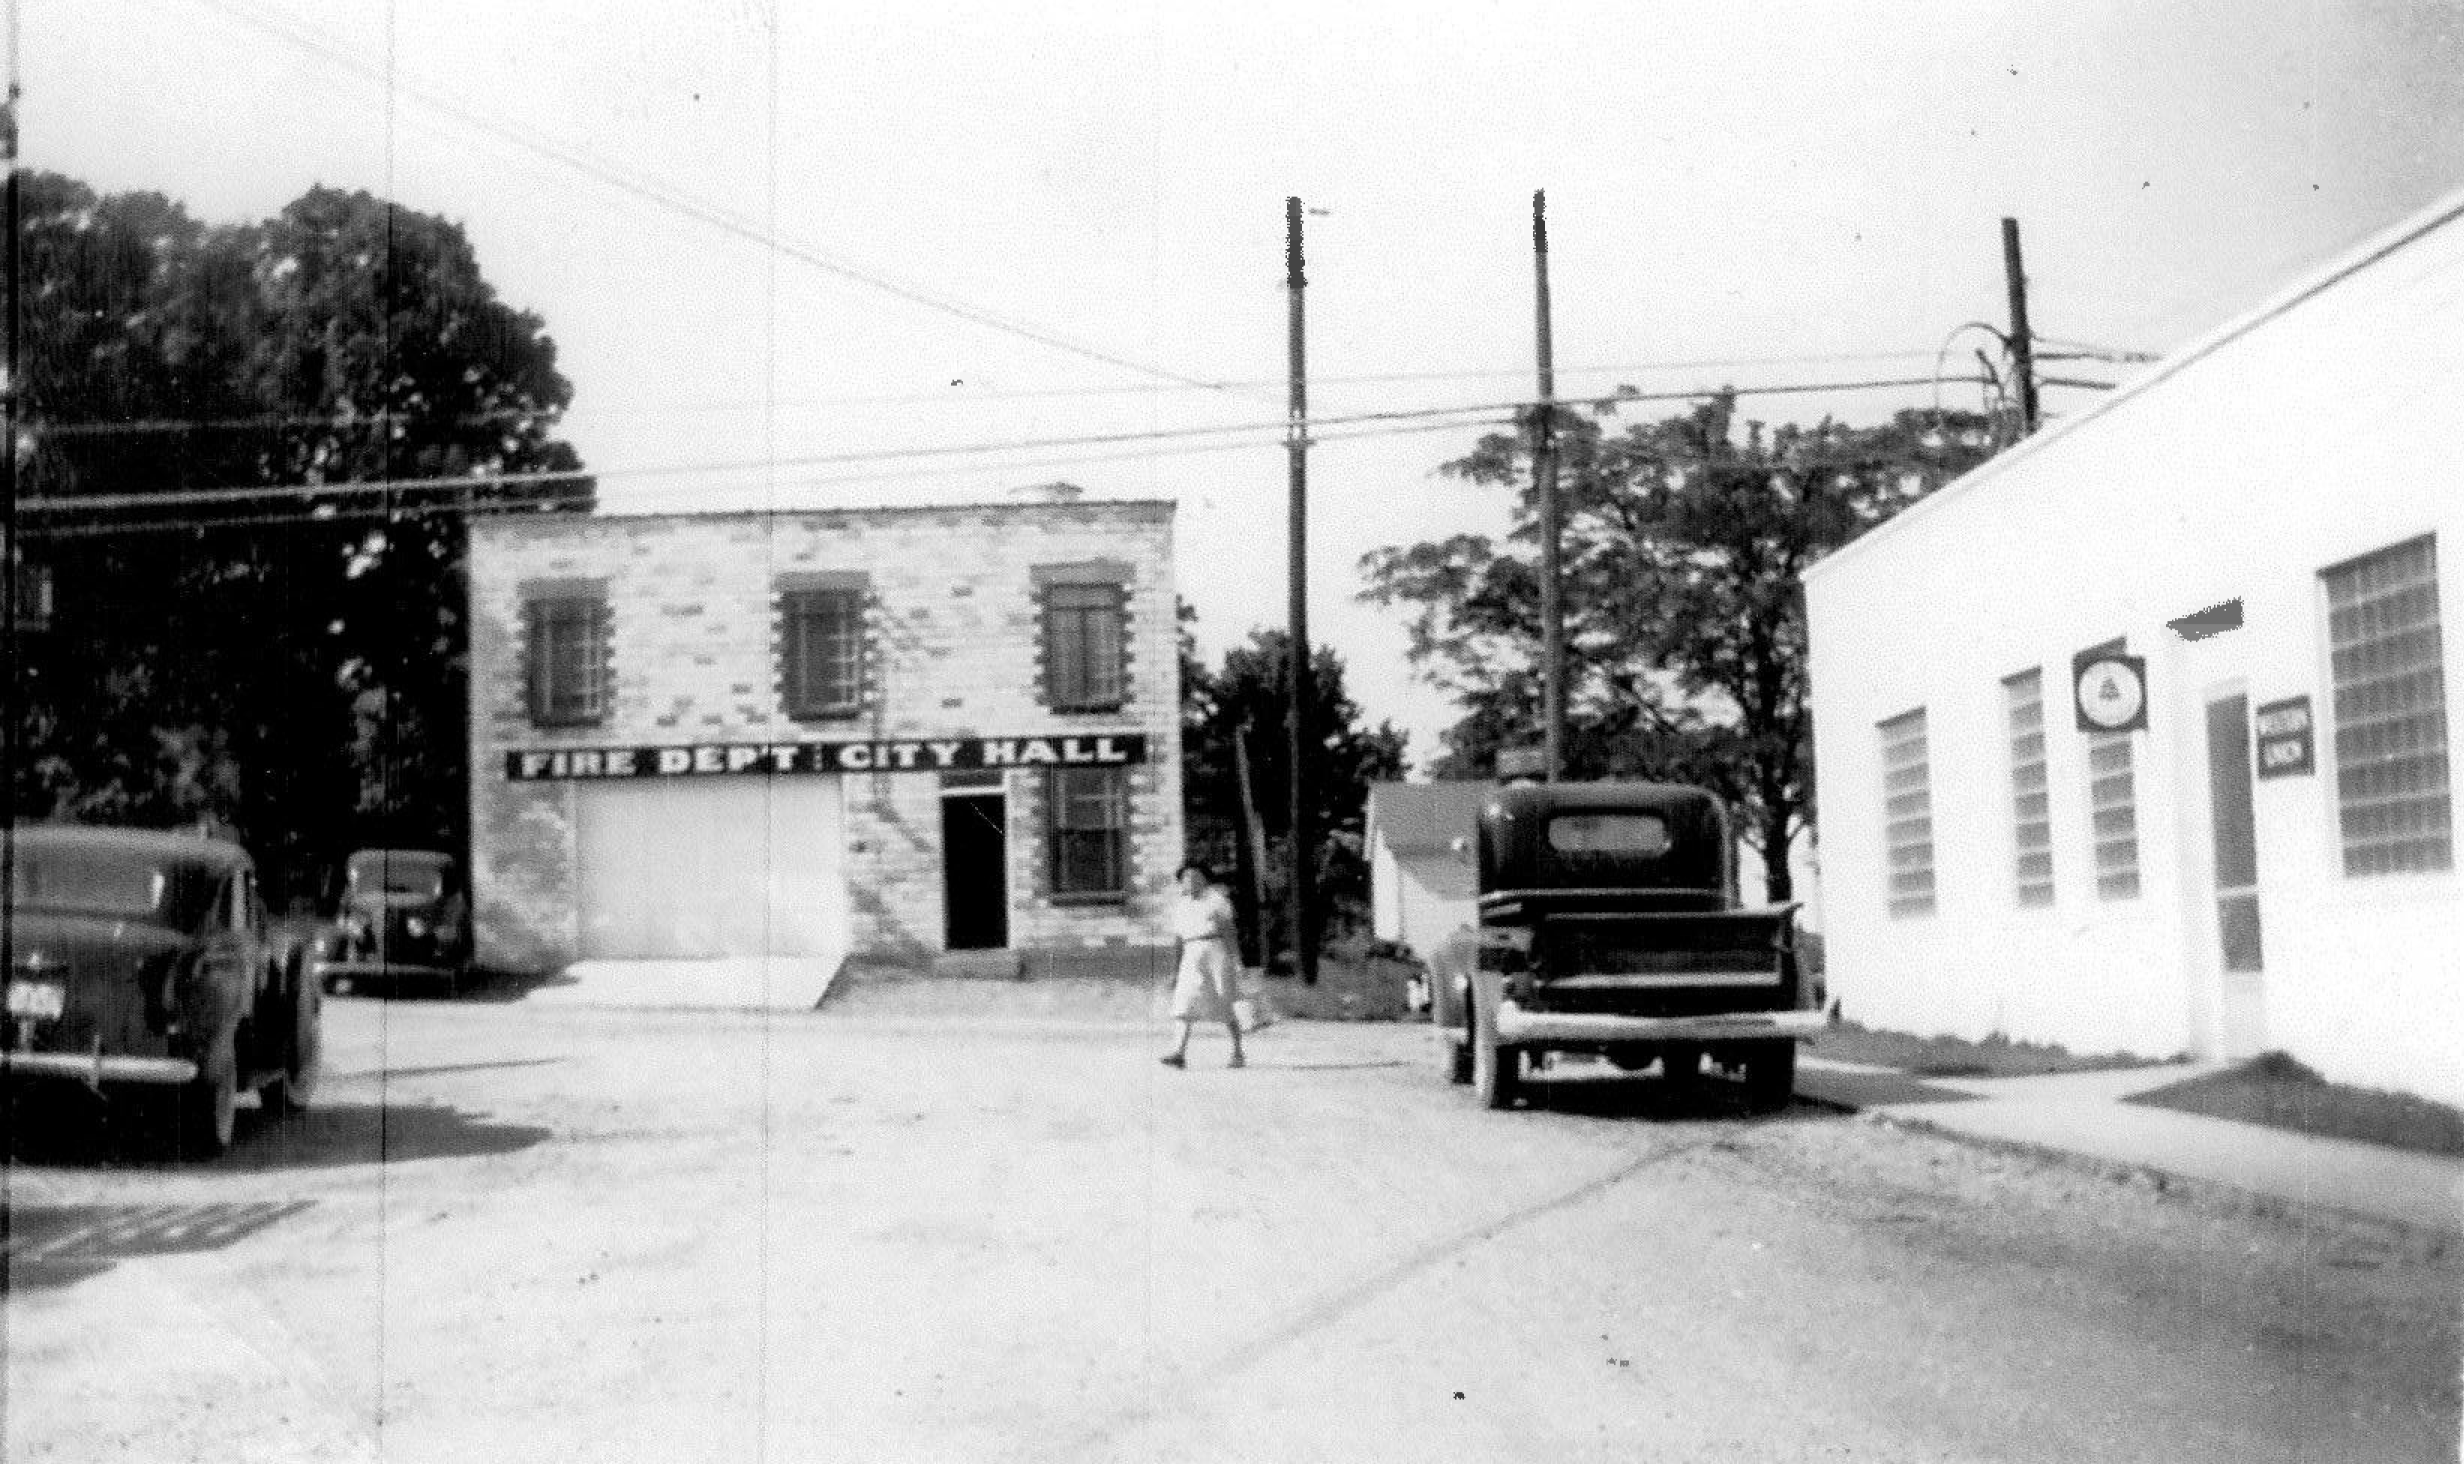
1175, 1060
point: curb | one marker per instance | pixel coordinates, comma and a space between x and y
2414, 1241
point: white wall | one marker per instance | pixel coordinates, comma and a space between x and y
2329, 431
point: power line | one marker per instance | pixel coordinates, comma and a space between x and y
206, 496
270, 423
101, 502
690, 207
377, 512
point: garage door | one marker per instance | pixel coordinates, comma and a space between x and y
695, 868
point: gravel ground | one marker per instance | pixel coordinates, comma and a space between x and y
941, 1224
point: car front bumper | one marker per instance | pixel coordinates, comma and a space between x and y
94, 1069
1520, 1027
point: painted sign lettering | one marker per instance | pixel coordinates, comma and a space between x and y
2286, 747
765, 759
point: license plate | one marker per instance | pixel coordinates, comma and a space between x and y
37, 999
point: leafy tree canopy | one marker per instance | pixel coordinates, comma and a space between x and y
1685, 626
288, 667
1247, 698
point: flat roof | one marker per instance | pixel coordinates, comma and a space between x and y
1131, 507
2370, 251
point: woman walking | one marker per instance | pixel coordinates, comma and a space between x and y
1209, 976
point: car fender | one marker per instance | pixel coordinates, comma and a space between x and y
1450, 978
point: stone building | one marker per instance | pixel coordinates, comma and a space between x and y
885, 733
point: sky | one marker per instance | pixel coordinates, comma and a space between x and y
786, 249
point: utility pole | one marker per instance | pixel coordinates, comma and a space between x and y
2023, 347
1302, 897
1544, 476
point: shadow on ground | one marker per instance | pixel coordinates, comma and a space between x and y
82, 1133
481, 985
1605, 1092
58, 1245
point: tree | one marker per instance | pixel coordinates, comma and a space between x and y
1247, 697
291, 668
1685, 642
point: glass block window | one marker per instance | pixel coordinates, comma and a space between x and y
1089, 817
567, 652
821, 652
2113, 815
2023, 696
2391, 711
1084, 661
1907, 814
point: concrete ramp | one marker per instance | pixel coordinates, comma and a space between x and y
728, 983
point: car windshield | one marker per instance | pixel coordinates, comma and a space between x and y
111, 882
397, 874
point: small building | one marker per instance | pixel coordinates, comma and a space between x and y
1421, 885
2137, 737
887, 733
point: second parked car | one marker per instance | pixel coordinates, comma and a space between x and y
404, 918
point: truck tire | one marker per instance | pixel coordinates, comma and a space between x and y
1770, 1074
1497, 1067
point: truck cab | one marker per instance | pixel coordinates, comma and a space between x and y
1608, 924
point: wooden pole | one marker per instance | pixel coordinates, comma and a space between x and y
1302, 897
1544, 476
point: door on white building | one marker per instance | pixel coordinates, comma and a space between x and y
2240, 943
699, 868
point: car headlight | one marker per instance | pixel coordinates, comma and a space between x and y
417, 926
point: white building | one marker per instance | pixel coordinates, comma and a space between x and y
1421, 887
2268, 524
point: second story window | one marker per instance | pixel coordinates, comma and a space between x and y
1085, 665
821, 652
568, 658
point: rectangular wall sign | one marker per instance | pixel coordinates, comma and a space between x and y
763, 759
2285, 744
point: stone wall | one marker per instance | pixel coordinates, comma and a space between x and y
954, 650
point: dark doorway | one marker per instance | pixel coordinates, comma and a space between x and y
975, 886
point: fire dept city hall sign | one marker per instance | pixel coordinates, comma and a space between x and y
769, 759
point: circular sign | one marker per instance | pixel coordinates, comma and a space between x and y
2111, 693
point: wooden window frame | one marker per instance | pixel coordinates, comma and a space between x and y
1068, 793
579, 615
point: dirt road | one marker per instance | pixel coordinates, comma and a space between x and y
519, 1233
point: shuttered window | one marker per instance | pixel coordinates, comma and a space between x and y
568, 660
2023, 696
2391, 711
1907, 814
1083, 647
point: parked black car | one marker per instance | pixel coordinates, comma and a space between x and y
1609, 924
404, 917
143, 967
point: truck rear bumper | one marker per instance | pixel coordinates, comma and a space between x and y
95, 1068
330, 972
1520, 1027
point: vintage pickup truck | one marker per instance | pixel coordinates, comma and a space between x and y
1608, 924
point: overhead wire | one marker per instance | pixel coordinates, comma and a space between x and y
1451, 417
371, 512
685, 205
284, 422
